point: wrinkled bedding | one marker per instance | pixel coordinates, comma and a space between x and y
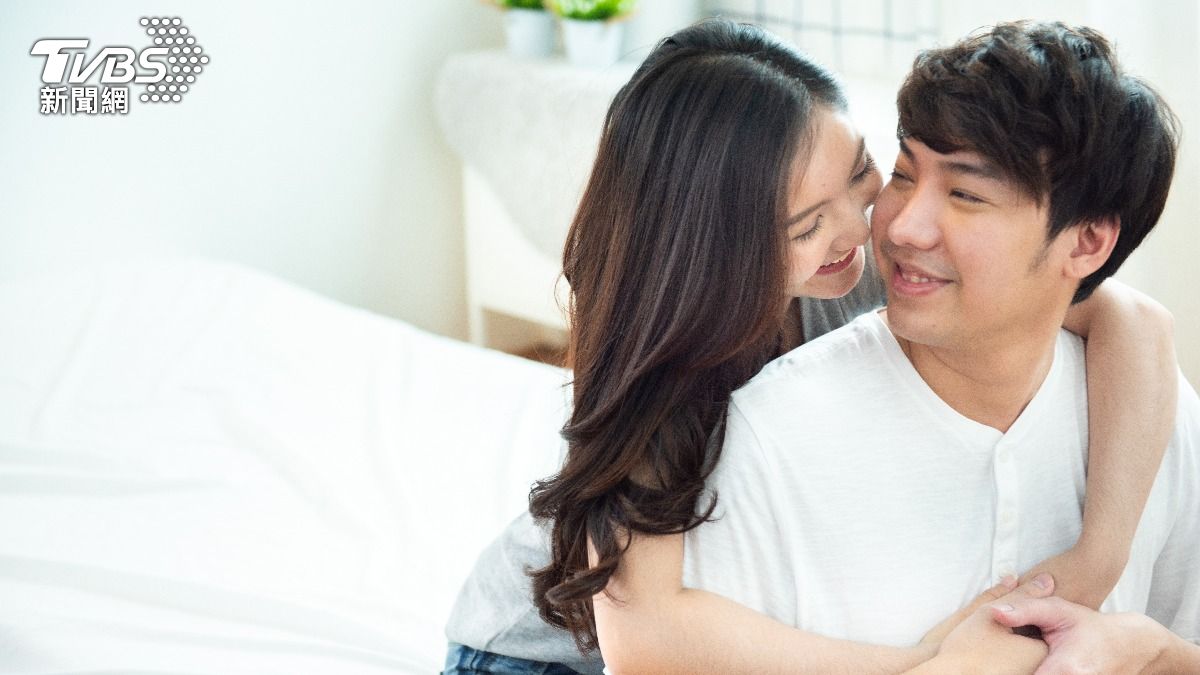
204, 469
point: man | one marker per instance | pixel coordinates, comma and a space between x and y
1030, 168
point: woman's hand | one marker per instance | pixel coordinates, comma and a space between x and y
1082, 640
939, 632
980, 645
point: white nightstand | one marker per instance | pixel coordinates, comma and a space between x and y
526, 130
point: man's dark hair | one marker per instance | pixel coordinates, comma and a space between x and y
1050, 105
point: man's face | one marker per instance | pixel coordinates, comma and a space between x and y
963, 253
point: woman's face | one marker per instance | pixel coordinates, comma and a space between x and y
830, 191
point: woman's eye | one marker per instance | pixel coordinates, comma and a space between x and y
867, 170
810, 233
898, 175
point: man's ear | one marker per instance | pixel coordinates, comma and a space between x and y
1093, 244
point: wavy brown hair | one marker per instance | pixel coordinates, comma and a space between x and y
676, 261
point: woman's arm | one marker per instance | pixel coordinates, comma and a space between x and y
1132, 390
980, 645
655, 625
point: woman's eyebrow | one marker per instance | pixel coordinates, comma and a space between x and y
805, 213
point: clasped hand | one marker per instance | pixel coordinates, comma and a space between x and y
1074, 638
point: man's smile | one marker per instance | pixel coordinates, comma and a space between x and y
908, 279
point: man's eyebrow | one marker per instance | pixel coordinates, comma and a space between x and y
986, 170
982, 169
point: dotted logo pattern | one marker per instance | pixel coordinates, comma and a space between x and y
185, 61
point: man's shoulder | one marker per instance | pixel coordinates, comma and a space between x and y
842, 355
1187, 417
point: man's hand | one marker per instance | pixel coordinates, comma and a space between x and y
1082, 640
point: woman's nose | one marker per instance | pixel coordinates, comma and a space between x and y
853, 229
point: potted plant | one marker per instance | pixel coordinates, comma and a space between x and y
528, 27
591, 32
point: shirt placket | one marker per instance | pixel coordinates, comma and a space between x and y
1007, 516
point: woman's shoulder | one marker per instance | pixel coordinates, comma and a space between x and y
495, 611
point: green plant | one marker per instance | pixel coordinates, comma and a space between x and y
521, 4
591, 10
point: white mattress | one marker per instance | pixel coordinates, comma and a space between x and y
207, 470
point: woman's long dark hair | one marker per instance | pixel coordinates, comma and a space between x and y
676, 261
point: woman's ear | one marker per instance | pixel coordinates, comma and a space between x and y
1093, 244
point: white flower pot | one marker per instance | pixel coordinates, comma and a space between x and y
530, 32
594, 44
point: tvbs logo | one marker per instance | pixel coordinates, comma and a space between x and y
167, 69
116, 61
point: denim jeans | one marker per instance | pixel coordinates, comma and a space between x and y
462, 660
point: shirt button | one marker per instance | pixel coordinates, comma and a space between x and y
1006, 518
1003, 454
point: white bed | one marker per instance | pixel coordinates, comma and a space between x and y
208, 470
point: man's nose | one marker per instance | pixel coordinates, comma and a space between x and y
916, 225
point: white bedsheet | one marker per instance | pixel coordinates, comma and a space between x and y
207, 470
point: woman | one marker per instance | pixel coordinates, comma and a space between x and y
691, 265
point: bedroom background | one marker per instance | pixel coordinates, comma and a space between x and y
311, 148
287, 460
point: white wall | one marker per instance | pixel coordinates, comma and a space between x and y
308, 149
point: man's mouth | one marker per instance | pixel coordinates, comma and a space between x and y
914, 278
914, 281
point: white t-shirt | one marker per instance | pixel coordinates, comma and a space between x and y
855, 503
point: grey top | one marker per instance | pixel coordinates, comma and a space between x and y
494, 611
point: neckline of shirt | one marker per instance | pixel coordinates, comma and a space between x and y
963, 426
